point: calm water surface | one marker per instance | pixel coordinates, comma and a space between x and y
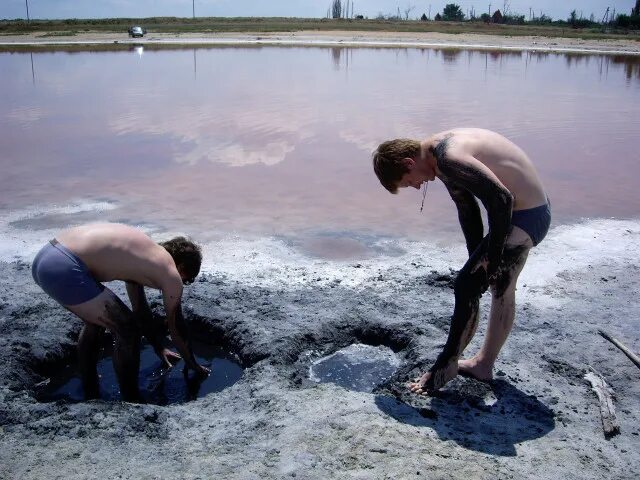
278, 141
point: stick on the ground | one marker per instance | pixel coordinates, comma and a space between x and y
605, 396
632, 356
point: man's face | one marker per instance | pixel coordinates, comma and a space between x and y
186, 279
412, 178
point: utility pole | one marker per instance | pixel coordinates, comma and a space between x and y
193, 5
27, 3
489, 9
429, 12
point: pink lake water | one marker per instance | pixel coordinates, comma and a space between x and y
277, 141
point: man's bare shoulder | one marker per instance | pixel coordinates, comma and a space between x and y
460, 136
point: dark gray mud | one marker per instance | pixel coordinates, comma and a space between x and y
537, 419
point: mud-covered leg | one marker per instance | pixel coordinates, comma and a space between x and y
107, 311
470, 284
503, 308
126, 349
88, 353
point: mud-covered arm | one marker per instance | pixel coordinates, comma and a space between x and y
468, 215
472, 175
172, 296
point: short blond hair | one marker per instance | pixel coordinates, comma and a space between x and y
388, 161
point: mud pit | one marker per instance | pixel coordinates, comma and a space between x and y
357, 367
539, 418
158, 385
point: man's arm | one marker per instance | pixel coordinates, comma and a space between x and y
172, 296
151, 329
468, 215
474, 176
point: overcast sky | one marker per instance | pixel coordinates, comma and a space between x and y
558, 9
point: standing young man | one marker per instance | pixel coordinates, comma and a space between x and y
475, 164
70, 269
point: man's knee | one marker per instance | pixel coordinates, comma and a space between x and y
123, 323
513, 261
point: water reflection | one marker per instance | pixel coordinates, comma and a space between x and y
271, 140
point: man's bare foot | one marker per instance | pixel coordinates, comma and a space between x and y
435, 379
473, 368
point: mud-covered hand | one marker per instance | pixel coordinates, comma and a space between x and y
486, 270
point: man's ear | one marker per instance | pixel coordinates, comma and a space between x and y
409, 163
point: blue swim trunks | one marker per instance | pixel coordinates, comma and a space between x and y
63, 276
535, 221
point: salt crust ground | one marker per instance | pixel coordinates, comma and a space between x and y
280, 311
342, 38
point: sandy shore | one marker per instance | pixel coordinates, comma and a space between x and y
332, 38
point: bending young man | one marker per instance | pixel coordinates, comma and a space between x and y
475, 164
70, 269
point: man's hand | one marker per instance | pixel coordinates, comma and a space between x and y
201, 372
490, 269
169, 358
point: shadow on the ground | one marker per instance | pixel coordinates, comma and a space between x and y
491, 419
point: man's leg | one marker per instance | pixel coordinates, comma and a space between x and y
470, 284
88, 353
503, 307
108, 311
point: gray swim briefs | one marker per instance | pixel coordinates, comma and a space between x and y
63, 276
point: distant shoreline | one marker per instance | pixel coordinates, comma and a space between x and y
359, 39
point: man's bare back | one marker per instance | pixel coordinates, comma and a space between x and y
113, 251
508, 162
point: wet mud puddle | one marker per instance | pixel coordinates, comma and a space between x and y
358, 367
157, 385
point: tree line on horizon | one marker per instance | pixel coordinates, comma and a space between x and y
453, 13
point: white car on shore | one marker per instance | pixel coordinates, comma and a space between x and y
137, 31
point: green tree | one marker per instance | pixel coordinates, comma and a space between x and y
452, 13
